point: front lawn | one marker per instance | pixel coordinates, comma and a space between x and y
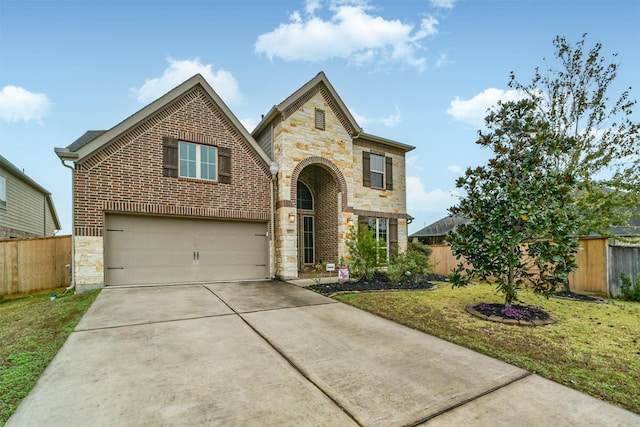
594, 348
32, 330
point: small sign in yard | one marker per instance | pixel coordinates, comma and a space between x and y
331, 267
343, 273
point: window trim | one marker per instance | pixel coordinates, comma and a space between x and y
198, 161
381, 172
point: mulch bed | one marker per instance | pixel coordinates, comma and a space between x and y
515, 315
379, 282
579, 297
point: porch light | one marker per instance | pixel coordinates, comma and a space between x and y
292, 217
349, 221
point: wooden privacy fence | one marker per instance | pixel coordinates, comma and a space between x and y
29, 265
599, 265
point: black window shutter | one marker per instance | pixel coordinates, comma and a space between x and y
224, 165
366, 169
393, 236
389, 173
169, 157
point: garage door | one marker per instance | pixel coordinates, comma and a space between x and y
159, 250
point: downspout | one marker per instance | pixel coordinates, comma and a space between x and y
72, 270
272, 238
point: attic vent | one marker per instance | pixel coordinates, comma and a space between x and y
319, 119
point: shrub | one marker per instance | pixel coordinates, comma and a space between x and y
630, 291
415, 261
364, 251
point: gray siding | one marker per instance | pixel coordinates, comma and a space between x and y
27, 212
265, 141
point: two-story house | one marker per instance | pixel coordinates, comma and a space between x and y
26, 208
181, 192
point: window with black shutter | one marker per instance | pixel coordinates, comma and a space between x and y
198, 161
377, 171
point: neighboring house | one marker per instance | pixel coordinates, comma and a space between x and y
180, 192
26, 208
435, 233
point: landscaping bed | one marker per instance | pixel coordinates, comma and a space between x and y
379, 282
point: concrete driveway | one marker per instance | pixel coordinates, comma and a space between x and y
274, 354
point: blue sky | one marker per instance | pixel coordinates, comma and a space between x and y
421, 72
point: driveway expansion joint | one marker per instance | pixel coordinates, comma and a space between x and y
240, 313
152, 322
284, 356
471, 399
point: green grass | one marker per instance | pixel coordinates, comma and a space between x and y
32, 330
593, 348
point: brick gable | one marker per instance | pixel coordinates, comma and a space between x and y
126, 175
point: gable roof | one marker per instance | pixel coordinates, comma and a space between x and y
441, 227
6, 164
349, 121
93, 141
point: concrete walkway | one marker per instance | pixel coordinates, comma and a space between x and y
275, 354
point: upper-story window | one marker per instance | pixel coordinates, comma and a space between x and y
319, 119
3, 192
377, 171
198, 161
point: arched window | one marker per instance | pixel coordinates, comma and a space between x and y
305, 199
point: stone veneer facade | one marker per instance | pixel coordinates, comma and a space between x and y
297, 146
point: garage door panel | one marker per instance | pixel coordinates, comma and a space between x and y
156, 250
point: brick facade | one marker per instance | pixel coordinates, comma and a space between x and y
127, 177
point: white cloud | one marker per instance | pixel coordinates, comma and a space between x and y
360, 119
421, 200
352, 33
455, 169
249, 124
443, 4
442, 60
18, 104
414, 162
222, 81
474, 110
393, 119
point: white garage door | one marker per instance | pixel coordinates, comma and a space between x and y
160, 250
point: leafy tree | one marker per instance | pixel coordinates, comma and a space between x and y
523, 225
365, 254
574, 98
